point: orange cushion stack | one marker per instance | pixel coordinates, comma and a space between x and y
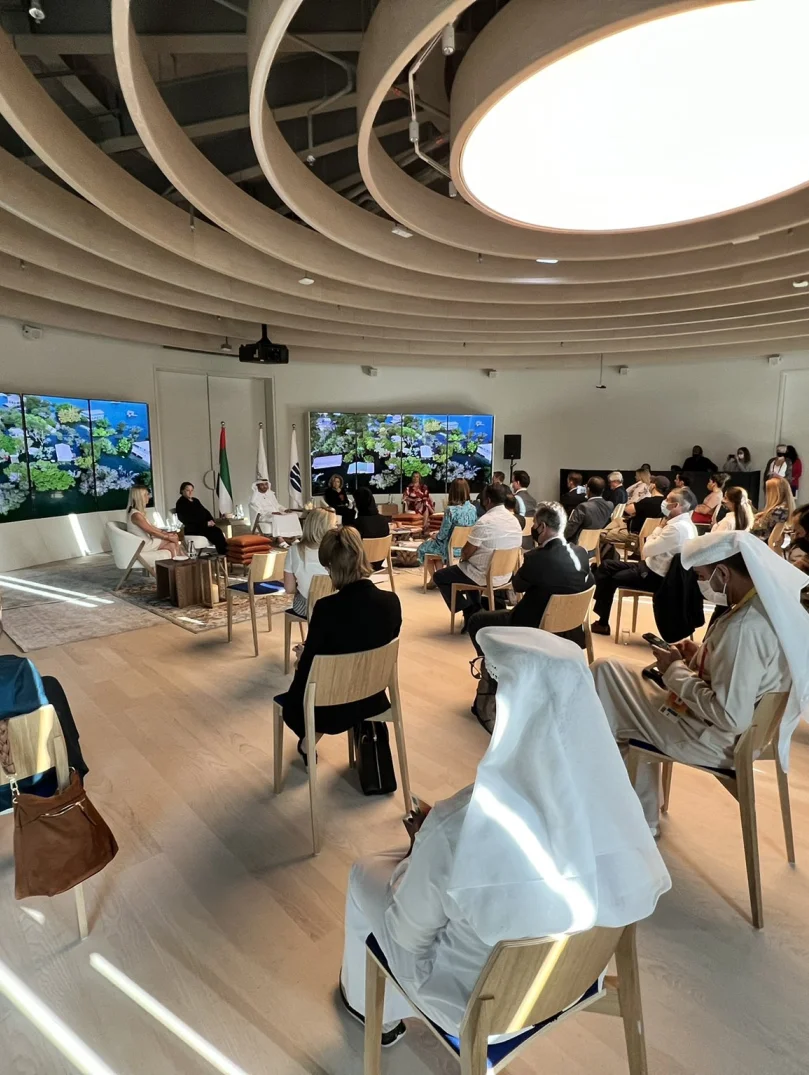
243, 547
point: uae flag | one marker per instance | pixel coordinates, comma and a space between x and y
224, 489
295, 495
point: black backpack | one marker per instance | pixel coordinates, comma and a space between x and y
374, 759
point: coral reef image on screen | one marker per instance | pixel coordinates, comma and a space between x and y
384, 451
61, 455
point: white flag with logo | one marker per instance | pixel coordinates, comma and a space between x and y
262, 470
295, 495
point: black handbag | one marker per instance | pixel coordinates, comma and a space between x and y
373, 757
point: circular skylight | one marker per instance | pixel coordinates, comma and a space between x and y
681, 118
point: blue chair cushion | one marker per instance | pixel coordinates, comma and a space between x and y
258, 587
654, 750
498, 1051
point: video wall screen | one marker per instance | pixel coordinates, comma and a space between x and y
61, 455
384, 451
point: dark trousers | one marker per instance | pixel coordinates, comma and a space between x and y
499, 617
215, 536
466, 601
615, 574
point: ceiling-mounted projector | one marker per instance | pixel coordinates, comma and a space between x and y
264, 351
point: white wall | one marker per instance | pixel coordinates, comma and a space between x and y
654, 414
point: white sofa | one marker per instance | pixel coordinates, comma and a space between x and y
127, 552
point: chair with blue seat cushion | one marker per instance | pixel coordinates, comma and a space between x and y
264, 578
526, 988
758, 743
319, 586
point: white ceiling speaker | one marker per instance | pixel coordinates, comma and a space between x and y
31, 332
370, 371
800, 283
448, 39
36, 11
306, 280
774, 360
490, 373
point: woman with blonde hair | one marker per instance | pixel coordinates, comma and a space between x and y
739, 512
778, 507
356, 618
303, 562
136, 523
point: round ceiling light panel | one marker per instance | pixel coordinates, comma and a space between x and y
677, 119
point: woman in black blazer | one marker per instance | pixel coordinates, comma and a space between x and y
369, 523
358, 617
336, 498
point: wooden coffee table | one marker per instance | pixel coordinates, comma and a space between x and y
188, 582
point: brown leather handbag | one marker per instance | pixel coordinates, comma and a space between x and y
59, 840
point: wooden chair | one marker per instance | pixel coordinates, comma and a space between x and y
622, 592
379, 549
432, 561
618, 512
590, 541
526, 988
566, 612
319, 586
528, 525
503, 562
264, 578
337, 680
37, 746
776, 538
758, 743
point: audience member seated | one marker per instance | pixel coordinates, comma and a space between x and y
369, 523
498, 478
197, 520
460, 511
272, 517
512, 504
23, 690
624, 531
639, 489
741, 462
705, 513
526, 504
576, 493
778, 507
302, 561
338, 500
739, 512
553, 567
359, 617
757, 646
797, 468
798, 535
779, 466
681, 481
593, 514
616, 494
136, 523
698, 461
547, 841
417, 497
496, 529
660, 548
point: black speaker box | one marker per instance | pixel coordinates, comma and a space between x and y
512, 445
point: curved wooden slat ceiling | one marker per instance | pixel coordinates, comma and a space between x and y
117, 259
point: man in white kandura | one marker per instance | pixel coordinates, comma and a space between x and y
550, 839
273, 519
758, 646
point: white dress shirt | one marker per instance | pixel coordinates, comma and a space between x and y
666, 541
497, 529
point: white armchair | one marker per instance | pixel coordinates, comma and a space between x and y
127, 552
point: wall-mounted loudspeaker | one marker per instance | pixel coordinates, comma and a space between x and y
512, 445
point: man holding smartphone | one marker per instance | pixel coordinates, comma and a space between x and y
760, 645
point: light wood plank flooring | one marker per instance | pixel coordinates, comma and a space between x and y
215, 906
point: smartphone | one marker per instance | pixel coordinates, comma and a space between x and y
655, 640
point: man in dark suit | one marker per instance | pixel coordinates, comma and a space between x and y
554, 567
615, 493
593, 514
576, 493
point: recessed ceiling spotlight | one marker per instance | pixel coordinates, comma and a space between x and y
36, 11
306, 280
547, 261
744, 239
398, 229
452, 190
800, 283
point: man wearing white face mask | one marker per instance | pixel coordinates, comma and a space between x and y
758, 646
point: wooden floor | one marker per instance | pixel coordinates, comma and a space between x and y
215, 907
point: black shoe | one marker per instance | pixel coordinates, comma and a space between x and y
304, 756
389, 1037
600, 628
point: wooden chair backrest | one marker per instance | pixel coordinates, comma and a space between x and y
618, 511
457, 540
267, 566
566, 612
37, 745
525, 982
389, 509
649, 527
319, 586
588, 540
503, 562
348, 677
377, 548
528, 525
764, 726
776, 538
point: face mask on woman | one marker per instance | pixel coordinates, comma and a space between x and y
716, 597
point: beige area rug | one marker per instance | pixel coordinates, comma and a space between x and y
73, 600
